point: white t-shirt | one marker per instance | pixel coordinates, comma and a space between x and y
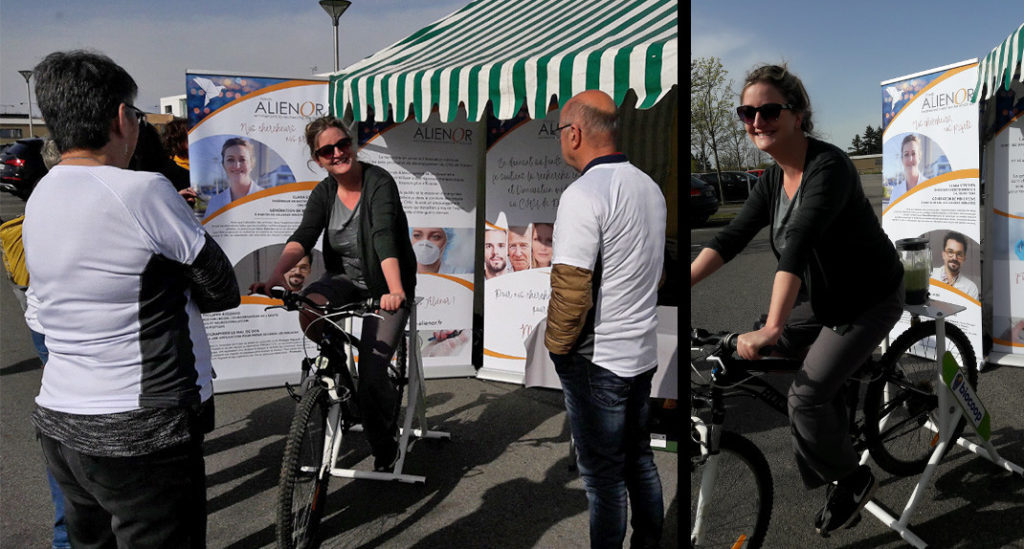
106, 250
617, 212
223, 198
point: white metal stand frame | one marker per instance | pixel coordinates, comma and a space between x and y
414, 409
947, 416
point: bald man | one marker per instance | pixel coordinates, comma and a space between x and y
609, 245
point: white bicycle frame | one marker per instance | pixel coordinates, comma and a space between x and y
948, 414
415, 409
708, 479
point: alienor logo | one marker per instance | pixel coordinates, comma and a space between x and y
211, 90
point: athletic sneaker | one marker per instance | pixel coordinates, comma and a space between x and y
844, 500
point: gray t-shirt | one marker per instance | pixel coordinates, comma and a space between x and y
343, 236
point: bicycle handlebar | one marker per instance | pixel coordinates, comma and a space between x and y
294, 301
725, 341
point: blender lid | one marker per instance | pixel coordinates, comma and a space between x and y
912, 244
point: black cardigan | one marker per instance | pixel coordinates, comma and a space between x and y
383, 229
834, 241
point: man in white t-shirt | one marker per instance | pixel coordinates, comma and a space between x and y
609, 245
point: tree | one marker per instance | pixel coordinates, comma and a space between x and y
710, 102
869, 143
856, 147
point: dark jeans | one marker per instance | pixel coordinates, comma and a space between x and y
376, 395
153, 501
608, 418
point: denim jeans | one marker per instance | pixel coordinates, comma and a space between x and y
60, 528
608, 418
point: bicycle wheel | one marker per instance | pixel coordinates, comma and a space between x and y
898, 405
302, 490
739, 499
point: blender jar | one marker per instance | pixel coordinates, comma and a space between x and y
915, 253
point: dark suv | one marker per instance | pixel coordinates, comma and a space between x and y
21, 167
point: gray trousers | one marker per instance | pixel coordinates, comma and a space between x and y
817, 400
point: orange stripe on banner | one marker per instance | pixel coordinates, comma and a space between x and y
493, 226
280, 189
945, 286
260, 300
1004, 214
1006, 343
489, 352
932, 84
949, 176
455, 279
257, 93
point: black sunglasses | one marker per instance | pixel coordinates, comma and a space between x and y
769, 112
328, 150
139, 114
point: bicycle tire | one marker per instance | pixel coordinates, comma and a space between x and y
741, 500
904, 446
302, 489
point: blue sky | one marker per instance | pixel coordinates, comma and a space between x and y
843, 50
156, 42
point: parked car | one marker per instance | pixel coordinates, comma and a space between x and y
703, 201
756, 173
21, 167
735, 185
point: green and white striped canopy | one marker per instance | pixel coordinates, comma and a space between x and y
511, 52
1000, 64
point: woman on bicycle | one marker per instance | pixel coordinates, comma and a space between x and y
825, 235
367, 253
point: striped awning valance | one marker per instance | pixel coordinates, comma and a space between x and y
1000, 65
511, 52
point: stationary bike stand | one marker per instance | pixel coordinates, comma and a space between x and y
949, 413
414, 409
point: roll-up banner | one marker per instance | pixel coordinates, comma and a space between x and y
436, 166
1003, 134
931, 183
525, 178
251, 167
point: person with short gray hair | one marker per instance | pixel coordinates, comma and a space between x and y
120, 272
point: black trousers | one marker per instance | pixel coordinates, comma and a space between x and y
376, 396
154, 501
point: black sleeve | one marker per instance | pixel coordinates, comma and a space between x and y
313, 217
214, 287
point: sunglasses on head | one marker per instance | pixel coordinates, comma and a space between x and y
327, 151
769, 112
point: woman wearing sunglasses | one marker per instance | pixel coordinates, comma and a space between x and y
236, 157
367, 253
838, 289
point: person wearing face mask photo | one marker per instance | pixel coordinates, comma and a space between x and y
429, 243
237, 159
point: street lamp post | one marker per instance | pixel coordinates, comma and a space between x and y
335, 8
28, 75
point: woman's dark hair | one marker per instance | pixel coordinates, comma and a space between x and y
237, 141
175, 137
150, 156
789, 85
316, 127
79, 93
